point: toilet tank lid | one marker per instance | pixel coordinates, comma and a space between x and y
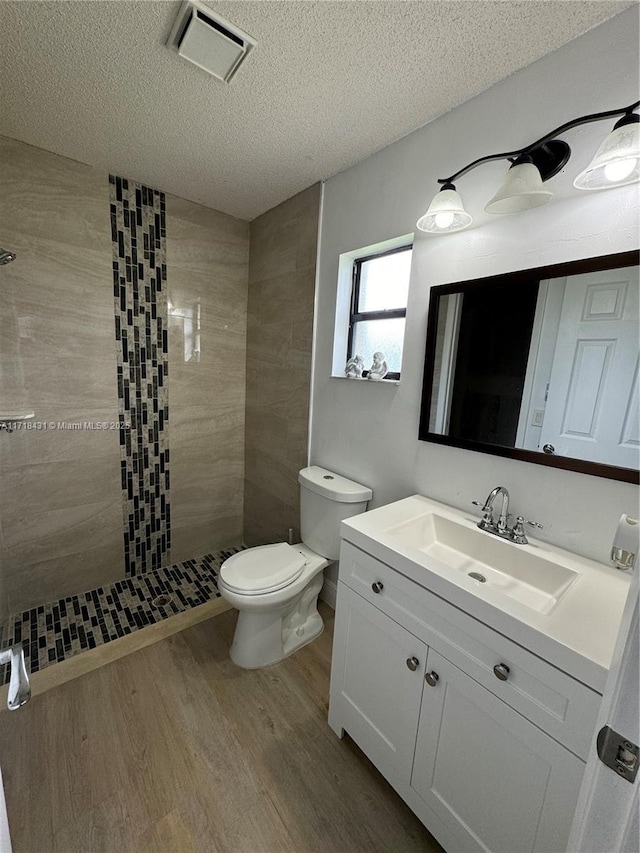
333, 486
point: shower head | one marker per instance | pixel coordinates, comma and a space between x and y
6, 256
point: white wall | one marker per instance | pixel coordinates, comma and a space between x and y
369, 431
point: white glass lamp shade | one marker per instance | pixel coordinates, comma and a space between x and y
616, 162
522, 189
446, 213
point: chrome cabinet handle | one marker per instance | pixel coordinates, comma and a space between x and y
413, 663
432, 678
501, 671
549, 449
377, 586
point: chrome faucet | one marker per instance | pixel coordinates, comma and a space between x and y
487, 523
501, 527
19, 687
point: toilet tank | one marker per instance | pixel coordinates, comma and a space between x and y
325, 500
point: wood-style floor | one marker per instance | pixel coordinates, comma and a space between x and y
173, 748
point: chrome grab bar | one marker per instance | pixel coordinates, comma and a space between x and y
19, 686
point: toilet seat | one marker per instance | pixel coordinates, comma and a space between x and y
265, 568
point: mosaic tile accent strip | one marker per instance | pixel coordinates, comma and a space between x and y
138, 236
54, 632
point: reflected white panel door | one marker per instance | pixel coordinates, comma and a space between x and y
592, 409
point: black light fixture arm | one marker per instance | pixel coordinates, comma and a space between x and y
512, 155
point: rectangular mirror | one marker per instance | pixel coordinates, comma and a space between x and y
539, 365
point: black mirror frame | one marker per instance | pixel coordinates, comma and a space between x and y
597, 469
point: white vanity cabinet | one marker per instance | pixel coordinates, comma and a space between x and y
381, 676
484, 740
478, 763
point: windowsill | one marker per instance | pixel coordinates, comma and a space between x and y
369, 381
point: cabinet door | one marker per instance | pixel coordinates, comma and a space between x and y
488, 771
375, 695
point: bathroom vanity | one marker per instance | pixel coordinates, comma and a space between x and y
470, 671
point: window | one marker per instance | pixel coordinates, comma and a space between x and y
380, 287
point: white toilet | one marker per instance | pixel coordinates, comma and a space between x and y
275, 587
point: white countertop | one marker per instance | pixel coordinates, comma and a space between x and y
577, 636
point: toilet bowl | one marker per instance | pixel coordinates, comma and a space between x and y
273, 622
275, 587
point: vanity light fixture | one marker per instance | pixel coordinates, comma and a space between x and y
446, 212
616, 163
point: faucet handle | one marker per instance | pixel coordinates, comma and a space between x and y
487, 522
517, 534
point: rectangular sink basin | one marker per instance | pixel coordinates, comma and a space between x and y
513, 570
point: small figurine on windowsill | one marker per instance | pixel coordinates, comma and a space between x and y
354, 368
378, 369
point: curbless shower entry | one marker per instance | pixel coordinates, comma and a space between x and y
59, 630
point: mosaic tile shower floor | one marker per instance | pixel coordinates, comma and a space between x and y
61, 629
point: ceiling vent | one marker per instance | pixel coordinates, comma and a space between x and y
209, 41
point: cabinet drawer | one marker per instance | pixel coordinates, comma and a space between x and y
557, 703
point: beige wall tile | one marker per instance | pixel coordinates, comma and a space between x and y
284, 390
297, 440
280, 320
265, 229
32, 489
198, 385
202, 537
287, 295
271, 515
34, 329
207, 275
274, 477
265, 430
60, 495
221, 300
204, 453
29, 446
273, 252
257, 534
196, 427
69, 381
270, 343
27, 585
202, 489
51, 200
60, 532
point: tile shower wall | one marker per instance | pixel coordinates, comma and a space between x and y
138, 236
207, 263
60, 495
279, 336
61, 498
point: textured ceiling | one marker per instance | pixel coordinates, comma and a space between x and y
328, 84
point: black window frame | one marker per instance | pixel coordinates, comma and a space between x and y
356, 316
